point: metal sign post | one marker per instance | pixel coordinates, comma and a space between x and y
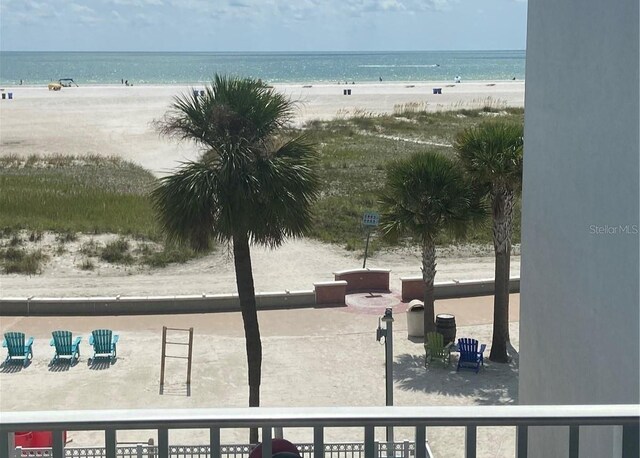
369, 220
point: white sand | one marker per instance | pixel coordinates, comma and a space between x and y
117, 120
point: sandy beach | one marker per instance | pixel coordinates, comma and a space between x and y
118, 120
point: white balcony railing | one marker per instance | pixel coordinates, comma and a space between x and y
522, 417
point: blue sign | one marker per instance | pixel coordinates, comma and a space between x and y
371, 219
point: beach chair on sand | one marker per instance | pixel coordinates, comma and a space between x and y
470, 357
104, 344
65, 348
17, 348
435, 348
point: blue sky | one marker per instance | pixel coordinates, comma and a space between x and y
261, 25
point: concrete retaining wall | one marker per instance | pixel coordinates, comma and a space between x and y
413, 288
151, 305
325, 294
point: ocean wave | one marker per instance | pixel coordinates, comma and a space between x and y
399, 65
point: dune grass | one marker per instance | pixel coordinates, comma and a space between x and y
73, 194
70, 195
354, 153
94, 194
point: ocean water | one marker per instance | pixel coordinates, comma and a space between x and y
276, 67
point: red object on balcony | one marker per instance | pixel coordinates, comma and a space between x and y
24, 439
34, 439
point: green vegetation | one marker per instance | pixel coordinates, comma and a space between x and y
87, 264
21, 261
93, 194
491, 155
117, 252
425, 195
76, 194
355, 151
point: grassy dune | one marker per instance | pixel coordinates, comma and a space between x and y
355, 151
94, 194
62, 194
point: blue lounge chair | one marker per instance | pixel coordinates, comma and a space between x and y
470, 357
104, 344
17, 348
65, 348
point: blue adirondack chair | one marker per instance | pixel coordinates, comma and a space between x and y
470, 357
65, 348
104, 344
17, 348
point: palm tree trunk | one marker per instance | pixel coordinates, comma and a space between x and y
247, 296
428, 275
502, 208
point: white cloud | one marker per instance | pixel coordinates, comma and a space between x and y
138, 3
76, 8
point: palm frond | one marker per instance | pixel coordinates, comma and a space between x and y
187, 205
425, 195
492, 153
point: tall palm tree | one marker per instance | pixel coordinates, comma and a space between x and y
251, 185
491, 153
424, 195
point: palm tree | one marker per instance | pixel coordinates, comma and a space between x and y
424, 195
491, 153
252, 185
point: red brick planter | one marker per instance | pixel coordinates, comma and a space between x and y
359, 280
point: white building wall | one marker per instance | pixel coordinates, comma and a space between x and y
579, 317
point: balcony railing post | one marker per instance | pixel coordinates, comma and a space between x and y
266, 442
405, 449
6, 444
58, 444
522, 441
163, 443
630, 441
470, 441
421, 440
214, 442
318, 442
110, 442
369, 442
574, 441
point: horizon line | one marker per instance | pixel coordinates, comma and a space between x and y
268, 52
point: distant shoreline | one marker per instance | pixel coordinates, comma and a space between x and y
14, 85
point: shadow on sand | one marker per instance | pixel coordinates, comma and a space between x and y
100, 364
494, 384
61, 366
12, 367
